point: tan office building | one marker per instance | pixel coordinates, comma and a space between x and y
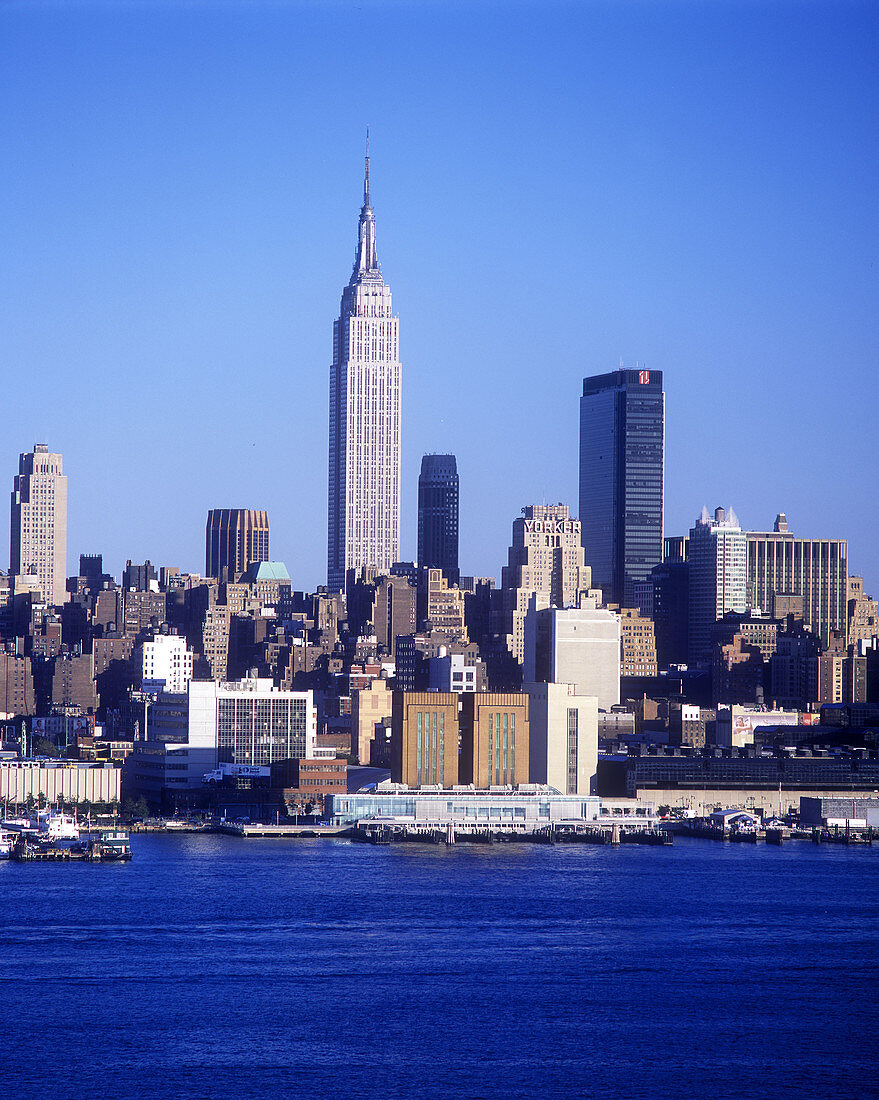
637, 646
863, 613
444, 606
369, 706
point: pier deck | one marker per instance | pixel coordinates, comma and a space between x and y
282, 831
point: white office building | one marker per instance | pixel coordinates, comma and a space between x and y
718, 556
575, 645
454, 672
252, 721
165, 660
246, 721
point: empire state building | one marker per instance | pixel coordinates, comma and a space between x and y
364, 468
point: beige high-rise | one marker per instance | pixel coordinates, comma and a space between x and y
562, 737
545, 564
38, 529
368, 706
863, 612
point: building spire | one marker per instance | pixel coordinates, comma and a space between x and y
365, 258
366, 176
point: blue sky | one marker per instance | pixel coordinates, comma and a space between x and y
558, 187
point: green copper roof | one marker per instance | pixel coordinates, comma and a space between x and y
269, 571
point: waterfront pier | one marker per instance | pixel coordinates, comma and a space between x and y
286, 831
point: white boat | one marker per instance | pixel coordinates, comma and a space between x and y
55, 825
7, 839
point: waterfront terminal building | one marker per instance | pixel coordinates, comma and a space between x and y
773, 780
525, 808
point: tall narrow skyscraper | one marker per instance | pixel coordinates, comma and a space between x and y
364, 458
438, 515
38, 531
622, 456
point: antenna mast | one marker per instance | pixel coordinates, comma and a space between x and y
366, 177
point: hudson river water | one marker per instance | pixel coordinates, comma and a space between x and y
216, 967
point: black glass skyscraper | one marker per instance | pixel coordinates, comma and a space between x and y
622, 458
438, 514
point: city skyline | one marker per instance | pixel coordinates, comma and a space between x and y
175, 241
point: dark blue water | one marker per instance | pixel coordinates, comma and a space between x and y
213, 967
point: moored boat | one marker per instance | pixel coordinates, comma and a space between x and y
108, 844
55, 825
7, 839
96, 846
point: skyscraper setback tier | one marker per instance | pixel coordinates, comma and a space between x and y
364, 451
622, 457
38, 528
438, 514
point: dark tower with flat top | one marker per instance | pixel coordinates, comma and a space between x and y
622, 458
438, 515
